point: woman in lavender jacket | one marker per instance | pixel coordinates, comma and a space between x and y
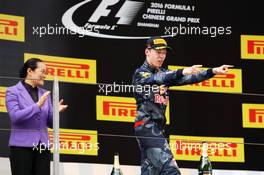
30, 111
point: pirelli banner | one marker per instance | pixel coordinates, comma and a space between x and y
94, 48
68, 69
228, 83
12, 27
253, 115
252, 47
2, 99
119, 109
220, 149
76, 142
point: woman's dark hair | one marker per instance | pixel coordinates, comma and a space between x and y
31, 63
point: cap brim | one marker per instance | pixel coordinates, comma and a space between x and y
162, 47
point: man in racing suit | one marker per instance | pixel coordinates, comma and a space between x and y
156, 156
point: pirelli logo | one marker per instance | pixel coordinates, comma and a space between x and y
228, 83
77, 142
12, 28
119, 109
253, 115
2, 99
68, 69
220, 149
252, 47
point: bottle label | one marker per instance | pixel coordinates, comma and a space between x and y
205, 173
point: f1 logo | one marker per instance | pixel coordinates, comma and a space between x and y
126, 13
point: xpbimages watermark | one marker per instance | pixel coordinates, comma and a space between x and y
41, 31
182, 145
124, 88
212, 31
79, 147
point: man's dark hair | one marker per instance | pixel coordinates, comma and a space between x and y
31, 63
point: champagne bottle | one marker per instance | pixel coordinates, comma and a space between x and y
205, 167
116, 169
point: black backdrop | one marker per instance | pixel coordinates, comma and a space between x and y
192, 113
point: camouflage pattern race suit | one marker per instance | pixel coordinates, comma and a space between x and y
156, 156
